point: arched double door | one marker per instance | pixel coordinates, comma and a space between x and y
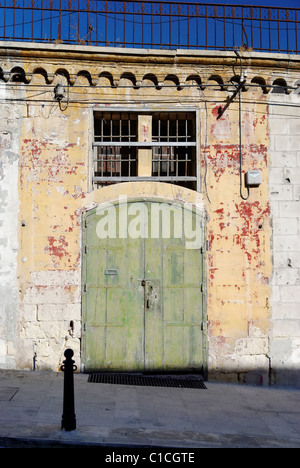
143, 288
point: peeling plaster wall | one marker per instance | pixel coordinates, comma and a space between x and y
239, 262
49, 187
10, 129
53, 183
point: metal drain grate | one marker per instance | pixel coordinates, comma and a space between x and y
149, 380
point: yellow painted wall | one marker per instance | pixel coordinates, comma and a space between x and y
55, 189
239, 260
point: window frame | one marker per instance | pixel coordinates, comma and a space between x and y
95, 181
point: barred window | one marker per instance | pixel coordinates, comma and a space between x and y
171, 140
112, 160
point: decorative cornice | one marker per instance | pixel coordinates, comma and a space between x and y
127, 55
20, 62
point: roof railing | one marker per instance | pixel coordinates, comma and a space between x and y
152, 24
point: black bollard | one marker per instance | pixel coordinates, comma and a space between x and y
68, 421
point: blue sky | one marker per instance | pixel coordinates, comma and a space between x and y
166, 31
274, 3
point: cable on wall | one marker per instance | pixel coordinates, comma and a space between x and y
242, 80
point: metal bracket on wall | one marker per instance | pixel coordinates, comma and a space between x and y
231, 99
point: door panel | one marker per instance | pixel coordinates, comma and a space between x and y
154, 338
173, 330
114, 325
143, 301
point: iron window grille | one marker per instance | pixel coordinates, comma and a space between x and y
173, 148
115, 158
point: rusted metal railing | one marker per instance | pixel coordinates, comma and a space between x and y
151, 24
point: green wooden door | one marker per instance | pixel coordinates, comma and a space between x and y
113, 268
143, 301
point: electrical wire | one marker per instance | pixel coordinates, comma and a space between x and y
125, 72
75, 91
201, 86
170, 100
240, 151
240, 131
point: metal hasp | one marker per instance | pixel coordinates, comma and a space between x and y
68, 421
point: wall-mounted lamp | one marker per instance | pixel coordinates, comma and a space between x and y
59, 92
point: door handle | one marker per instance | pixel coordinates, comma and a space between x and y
148, 304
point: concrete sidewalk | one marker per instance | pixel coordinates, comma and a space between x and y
224, 415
